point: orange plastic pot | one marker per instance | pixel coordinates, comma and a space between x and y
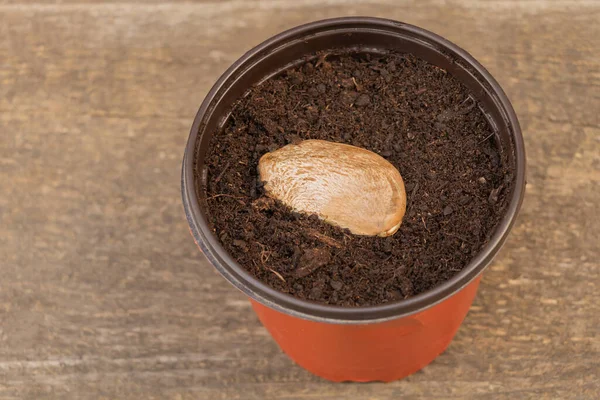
384, 351
377, 343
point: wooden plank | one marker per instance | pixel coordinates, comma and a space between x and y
104, 294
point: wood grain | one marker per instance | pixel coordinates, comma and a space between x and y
103, 293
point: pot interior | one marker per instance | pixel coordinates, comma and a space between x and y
347, 35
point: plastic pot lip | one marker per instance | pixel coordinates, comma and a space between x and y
288, 304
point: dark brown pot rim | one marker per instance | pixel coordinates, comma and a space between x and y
288, 304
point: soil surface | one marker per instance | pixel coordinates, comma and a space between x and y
417, 116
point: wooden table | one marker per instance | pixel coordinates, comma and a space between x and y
103, 293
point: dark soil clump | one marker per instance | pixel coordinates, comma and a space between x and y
414, 114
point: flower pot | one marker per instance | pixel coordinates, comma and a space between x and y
384, 342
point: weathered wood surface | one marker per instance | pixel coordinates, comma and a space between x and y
103, 294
